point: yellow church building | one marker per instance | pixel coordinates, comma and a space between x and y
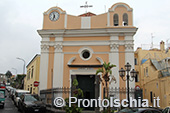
76, 46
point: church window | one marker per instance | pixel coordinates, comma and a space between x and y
116, 20
85, 54
125, 19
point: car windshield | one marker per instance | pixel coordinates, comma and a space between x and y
2, 94
2, 84
21, 93
32, 98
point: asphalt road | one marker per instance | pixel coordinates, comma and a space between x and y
9, 106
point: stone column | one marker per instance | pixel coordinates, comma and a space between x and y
43, 66
114, 59
58, 66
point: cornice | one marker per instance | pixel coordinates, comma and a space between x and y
88, 43
88, 32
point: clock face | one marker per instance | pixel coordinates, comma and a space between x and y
54, 16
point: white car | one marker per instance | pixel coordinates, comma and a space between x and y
9, 88
17, 95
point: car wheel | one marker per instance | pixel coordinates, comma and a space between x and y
23, 111
18, 108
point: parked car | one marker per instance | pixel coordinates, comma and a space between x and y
13, 93
8, 88
31, 103
2, 85
7, 84
2, 97
17, 95
166, 110
140, 110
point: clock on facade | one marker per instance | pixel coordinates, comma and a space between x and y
54, 16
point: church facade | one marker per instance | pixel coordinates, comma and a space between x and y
76, 46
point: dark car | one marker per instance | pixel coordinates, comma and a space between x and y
30, 103
166, 110
140, 110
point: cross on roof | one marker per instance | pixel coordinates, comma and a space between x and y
86, 6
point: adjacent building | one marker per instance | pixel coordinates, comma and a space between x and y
3, 78
33, 69
76, 46
153, 68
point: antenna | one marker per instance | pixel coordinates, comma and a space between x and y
167, 46
152, 40
167, 42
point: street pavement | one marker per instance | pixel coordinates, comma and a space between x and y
9, 106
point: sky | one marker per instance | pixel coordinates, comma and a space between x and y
20, 20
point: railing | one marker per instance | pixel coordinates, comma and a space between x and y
164, 72
121, 93
49, 95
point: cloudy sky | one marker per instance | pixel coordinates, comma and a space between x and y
20, 20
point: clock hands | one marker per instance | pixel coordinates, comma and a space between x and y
54, 16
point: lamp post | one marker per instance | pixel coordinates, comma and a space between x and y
128, 76
15, 70
24, 64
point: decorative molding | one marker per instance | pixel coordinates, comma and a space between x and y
93, 53
129, 47
45, 48
83, 49
128, 31
120, 5
55, 9
114, 47
58, 47
83, 71
71, 60
100, 60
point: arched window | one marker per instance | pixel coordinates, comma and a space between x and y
116, 20
125, 19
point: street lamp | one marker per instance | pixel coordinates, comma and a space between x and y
24, 64
15, 70
128, 76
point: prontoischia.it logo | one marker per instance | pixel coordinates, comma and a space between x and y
111, 102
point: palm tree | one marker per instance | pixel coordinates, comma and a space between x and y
106, 72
